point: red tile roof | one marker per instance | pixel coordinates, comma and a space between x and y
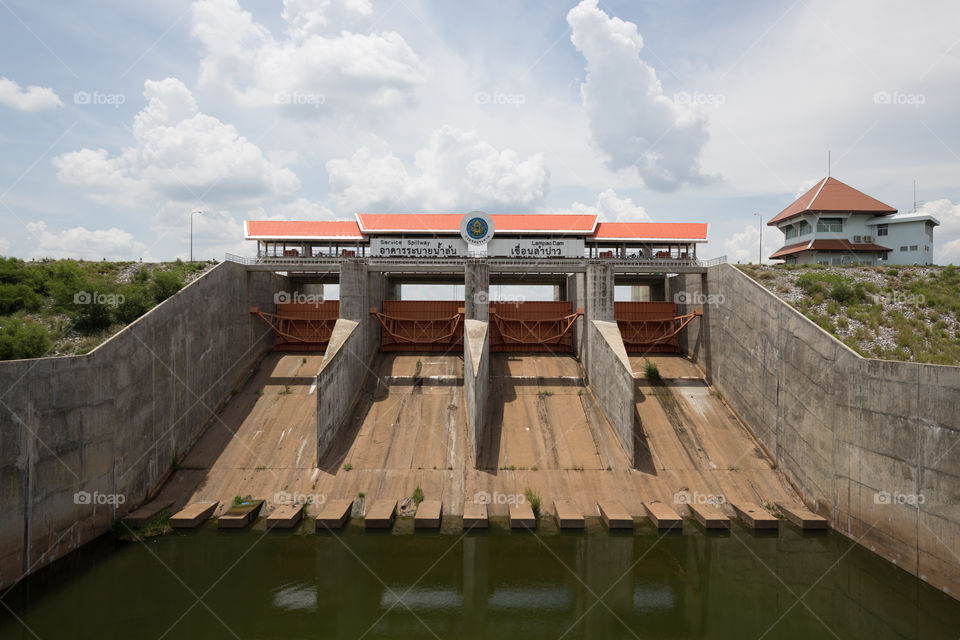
694, 231
582, 224
301, 229
828, 245
831, 195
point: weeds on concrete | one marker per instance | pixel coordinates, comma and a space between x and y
652, 372
417, 495
533, 498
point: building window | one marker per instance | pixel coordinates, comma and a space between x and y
790, 231
882, 229
913, 247
929, 226
926, 247
803, 228
903, 248
830, 225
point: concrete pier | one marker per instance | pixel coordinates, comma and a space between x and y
615, 515
193, 515
380, 514
662, 516
334, 514
474, 516
802, 517
709, 516
240, 515
568, 515
755, 516
521, 517
286, 517
139, 517
429, 514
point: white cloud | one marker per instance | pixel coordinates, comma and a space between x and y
744, 245
31, 99
610, 208
631, 122
179, 153
457, 171
79, 242
307, 71
946, 237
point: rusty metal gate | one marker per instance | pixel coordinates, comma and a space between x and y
301, 326
651, 326
532, 326
420, 325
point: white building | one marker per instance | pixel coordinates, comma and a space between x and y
835, 224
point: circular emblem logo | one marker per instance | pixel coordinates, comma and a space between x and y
476, 228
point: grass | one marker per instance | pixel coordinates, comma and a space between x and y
533, 499
347, 467
286, 390
417, 495
891, 313
158, 525
652, 372
68, 307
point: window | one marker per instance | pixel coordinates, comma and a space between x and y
929, 227
790, 231
830, 225
803, 228
903, 248
882, 229
926, 248
913, 247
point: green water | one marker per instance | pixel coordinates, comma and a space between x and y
497, 584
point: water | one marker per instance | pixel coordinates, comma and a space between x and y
496, 584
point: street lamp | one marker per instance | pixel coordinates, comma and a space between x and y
760, 232
193, 213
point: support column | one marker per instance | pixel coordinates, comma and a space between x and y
476, 290
576, 293
598, 302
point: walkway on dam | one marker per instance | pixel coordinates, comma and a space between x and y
410, 429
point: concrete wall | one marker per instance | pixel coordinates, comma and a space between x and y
576, 293
869, 444
476, 291
611, 379
340, 380
112, 421
476, 378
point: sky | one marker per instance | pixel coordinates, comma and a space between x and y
119, 119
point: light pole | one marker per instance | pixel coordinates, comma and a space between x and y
760, 232
193, 213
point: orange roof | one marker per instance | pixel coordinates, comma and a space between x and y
831, 195
450, 223
695, 231
830, 244
301, 229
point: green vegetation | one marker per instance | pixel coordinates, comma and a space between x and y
533, 498
652, 372
347, 467
158, 525
902, 313
63, 307
417, 495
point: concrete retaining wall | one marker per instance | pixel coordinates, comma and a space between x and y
476, 378
869, 444
111, 422
340, 380
611, 379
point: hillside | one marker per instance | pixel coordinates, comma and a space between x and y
893, 313
68, 307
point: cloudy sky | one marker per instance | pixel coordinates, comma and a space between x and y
118, 119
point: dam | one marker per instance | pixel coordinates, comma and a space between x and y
701, 413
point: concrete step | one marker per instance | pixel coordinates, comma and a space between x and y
139, 517
755, 516
380, 514
241, 515
475, 516
568, 515
803, 517
662, 516
334, 514
428, 515
193, 515
286, 517
615, 515
709, 516
521, 517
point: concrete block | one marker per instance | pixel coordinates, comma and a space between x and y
334, 514
709, 516
662, 516
380, 514
615, 515
568, 515
475, 516
193, 515
521, 517
802, 517
285, 517
755, 516
429, 513
239, 516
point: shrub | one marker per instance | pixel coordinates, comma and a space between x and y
165, 284
534, 499
19, 339
652, 372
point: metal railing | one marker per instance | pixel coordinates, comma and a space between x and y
666, 263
